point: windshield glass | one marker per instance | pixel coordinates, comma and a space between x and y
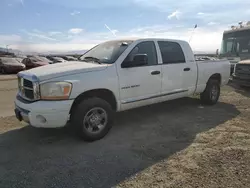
107, 52
38, 59
58, 59
236, 43
43, 59
9, 61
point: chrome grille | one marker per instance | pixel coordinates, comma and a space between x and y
26, 88
242, 70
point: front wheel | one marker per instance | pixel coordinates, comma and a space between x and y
92, 119
211, 94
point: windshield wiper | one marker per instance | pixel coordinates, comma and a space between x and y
93, 59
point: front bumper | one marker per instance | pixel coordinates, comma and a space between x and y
46, 114
241, 81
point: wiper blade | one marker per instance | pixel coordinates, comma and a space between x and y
93, 59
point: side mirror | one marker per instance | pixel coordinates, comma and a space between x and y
138, 60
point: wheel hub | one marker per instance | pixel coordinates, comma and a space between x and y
214, 92
95, 120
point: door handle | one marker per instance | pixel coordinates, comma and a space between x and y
155, 72
187, 69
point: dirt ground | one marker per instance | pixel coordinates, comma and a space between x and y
8, 90
174, 144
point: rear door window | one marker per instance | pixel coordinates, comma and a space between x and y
171, 52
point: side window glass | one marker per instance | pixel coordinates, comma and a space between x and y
171, 52
147, 48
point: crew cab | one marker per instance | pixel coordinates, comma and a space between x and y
115, 76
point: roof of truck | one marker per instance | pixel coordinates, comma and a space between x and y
137, 38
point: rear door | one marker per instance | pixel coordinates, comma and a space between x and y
174, 69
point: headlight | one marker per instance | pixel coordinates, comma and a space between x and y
55, 90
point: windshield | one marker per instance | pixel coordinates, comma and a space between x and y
58, 58
43, 59
236, 43
107, 52
9, 61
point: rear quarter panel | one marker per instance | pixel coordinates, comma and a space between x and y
208, 68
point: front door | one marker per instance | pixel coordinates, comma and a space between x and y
139, 85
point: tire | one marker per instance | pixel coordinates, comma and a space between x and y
211, 94
85, 120
3, 71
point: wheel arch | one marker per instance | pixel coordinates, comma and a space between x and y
216, 76
104, 94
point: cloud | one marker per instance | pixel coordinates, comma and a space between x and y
75, 31
205, 39
212, 23
176, 14
200, 13
38, 34
10, 39
22, 2
112, 31
55, 33
53, 47
74, 13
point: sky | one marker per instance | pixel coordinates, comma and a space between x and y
69, 25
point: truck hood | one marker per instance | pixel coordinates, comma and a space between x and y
247, 61
63, 69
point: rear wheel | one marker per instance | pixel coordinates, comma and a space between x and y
212, 93
92, 119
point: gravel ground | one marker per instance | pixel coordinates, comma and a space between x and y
7, 77
174, 144
8, 90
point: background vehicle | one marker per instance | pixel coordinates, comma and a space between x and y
10, 65
115, 76
69, 58
236, 48
55, 59
35, 61
241, 75
236, 44
19, 59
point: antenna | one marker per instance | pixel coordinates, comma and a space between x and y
240, 23
192, 33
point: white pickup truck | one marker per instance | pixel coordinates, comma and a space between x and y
115, 76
